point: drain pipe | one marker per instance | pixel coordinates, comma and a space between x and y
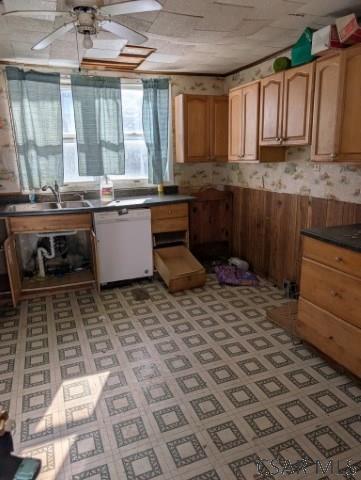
42, 252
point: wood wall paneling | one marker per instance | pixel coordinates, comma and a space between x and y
267, 225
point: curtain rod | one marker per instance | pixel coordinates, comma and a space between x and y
67, 71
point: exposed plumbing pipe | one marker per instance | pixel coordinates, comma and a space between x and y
42, 252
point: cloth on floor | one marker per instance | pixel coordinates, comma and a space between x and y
231, 275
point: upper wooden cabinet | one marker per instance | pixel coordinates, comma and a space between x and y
286, 107
201, 128
271, 110
235, 124
243, 123
336, 132
243, 142
297, 105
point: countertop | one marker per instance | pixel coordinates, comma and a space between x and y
346, 236
98, 206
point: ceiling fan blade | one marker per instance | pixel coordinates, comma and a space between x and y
34, 13
59, 32
183, 14
134, 6
121, 31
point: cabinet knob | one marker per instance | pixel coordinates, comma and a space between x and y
335, 294
338, 259
333, 155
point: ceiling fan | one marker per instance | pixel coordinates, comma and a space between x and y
88, 19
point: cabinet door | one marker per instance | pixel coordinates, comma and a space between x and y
13, 268
250, 122
235, 125
348, 140
219, 127
197, 128
271, 109
94, 259
327, 86
297, 105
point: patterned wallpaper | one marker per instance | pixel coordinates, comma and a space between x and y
297, 175
8, 167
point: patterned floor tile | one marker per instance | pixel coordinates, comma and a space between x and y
157, 392
85, 446
142, 389
207, 407
80, 415
263, 423
120, 403
297, 411
327, 442
352, 425
241, 396
226, 436
186, 450
222, 374
170, 418
191, 383
129, 431
142, 465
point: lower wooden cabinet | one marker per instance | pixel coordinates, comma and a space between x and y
329, 306
173, 261
336, 338
23, 287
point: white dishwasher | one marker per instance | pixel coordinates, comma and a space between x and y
125, 248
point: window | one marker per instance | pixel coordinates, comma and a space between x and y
136, 157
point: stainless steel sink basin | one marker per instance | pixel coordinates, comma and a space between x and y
44, 206
75, 204
33, 207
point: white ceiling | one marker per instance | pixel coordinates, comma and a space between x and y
231, 34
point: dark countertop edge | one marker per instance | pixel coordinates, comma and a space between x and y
323, 237
153, 201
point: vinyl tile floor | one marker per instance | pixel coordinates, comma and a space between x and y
196, 385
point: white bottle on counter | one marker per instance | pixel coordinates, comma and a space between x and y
106, 189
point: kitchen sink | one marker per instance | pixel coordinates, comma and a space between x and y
44, 206
75, 204
33, 207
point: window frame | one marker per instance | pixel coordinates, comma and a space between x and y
119, 183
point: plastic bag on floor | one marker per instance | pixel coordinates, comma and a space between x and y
231, 275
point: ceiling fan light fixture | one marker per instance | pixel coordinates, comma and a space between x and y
87, 42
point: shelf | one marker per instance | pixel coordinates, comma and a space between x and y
52, 282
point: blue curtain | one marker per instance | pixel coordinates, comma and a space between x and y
155, 126
36, 110
99, 125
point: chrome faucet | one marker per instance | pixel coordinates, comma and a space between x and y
54, 190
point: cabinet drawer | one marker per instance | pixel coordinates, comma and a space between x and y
169, 211
178, 268
170, 225
336, 292
339, 258
50, 223
336, 338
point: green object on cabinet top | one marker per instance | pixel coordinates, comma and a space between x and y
301, 51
